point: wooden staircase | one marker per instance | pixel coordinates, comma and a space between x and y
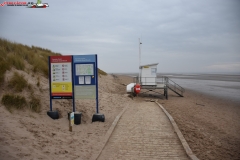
174, 86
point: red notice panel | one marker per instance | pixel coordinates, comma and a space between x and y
61, 77
60, 59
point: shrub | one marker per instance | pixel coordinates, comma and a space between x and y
16, 61
35, 104
38, 81
17, 82
13, 101
1, 78
30, 88
101, 72
29, 56
4, 66
3, 51
44, 68
16, 54
41, 66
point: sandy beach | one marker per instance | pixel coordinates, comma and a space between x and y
211, 126
28, 135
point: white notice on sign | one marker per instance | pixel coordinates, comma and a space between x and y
81, 79
88, 79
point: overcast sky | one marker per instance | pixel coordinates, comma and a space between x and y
181, 35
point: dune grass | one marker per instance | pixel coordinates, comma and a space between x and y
17, 82
15, 54
35, 104
4, 66
16, 61
101, 72
38, 81
11, 101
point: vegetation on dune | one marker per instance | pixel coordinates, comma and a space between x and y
15, 54
18, 56
38, 82
4, 66
13, 101
35, 104
29, 87
16, 61
101, 72
17, 82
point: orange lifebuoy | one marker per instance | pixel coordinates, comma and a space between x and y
137, 88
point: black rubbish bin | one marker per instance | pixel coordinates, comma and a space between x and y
77, 118
53, 114
98, 117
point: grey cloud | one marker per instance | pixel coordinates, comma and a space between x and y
183, 36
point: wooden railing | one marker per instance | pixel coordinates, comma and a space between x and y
160, 80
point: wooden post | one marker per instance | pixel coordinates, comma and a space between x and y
71, 121
70, 125
167, 93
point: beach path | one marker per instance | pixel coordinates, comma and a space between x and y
144, 132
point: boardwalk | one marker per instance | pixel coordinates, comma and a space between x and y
144, 132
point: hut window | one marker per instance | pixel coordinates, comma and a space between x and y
153, 71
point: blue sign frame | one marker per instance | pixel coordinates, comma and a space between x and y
83, 65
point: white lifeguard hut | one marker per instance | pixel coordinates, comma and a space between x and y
150, 82
148, 74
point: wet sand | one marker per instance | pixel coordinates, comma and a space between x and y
216, 77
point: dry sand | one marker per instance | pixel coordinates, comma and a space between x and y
27, 135
211, 127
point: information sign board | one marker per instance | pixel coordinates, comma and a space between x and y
61, 77
73, 77
84, 67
